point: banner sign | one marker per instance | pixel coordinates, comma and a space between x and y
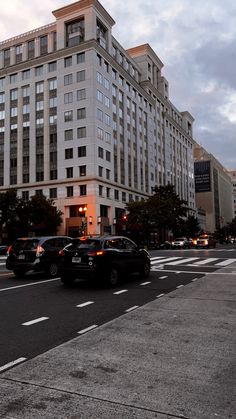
202, 175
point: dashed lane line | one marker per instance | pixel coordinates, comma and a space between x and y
40, 319
131, 309
163, 277
159, 295
12, 364
85, 304
81, 332
119, 292
145, 283
180, 286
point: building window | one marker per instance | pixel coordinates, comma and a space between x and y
25, 195
116, 194
82, 151
108, 156
100, 152
68, 98
83, 190
52, 66
99, 96
69, 172
99, 115
100, 171
100, 190
13, 78
108, 173
39, 87
25, 74
53, 174
100, 133
81, 58
68, 61
80, 76
68, 134
39, 70
30, 49
69, 153
82, 170
81, 132
52, 84
39, 192
43, 45
75, 32
68, 79
13, 94
69, 191
81, 94
81, 113
53, 193
68, 116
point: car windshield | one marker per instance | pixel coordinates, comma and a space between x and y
25, 244
89, 243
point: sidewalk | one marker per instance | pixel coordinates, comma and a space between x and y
172, 358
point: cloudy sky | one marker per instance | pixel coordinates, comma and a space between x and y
196, 41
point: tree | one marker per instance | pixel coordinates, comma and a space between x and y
44, 217
18, 217
162, 211
188, 227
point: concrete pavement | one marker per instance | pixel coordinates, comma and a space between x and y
172, 358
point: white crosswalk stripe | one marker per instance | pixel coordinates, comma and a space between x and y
195, 261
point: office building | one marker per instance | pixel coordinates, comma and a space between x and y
232, 174
86, 122
213, 189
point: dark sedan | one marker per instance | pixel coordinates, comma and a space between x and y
103, 259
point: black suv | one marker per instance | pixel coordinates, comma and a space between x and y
103, 258
36, 254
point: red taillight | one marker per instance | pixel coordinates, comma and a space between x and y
61, 252
39, 251
98, 253
9, 250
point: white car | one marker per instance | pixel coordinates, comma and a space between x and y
180, 243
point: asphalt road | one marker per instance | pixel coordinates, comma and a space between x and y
37, 313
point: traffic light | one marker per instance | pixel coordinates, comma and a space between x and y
125, 217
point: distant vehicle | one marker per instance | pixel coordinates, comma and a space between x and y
103, 258
3, 250
36, 254
165, 245
206, 240
180, 243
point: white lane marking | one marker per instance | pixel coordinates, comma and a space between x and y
179, 262
131, 308
40, 319
159, 295
167, 260
204, 262
145, 283
87, 329
226, 262
28, 285
119, 292
157, 257
194, 279
180, 286
1, 264
12, 363
85, 304
192, 272
163, 277
177, 272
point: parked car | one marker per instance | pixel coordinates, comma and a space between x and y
181, 243
3, 250
36, 254
103, 258
206, 240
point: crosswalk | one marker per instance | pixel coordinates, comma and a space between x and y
191, 261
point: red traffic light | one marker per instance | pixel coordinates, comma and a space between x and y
125, 218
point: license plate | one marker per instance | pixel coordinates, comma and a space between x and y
21, 256
76, 260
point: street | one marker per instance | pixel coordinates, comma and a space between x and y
38, 313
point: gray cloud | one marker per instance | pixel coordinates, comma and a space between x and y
194, 39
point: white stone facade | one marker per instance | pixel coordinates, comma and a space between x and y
87, 123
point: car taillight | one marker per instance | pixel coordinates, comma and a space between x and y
98, 253
206, 242
61, 252
9, 250
39, 251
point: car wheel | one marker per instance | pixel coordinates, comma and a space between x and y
145, 271
53, 270
19, 273
67, 280
113, 277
